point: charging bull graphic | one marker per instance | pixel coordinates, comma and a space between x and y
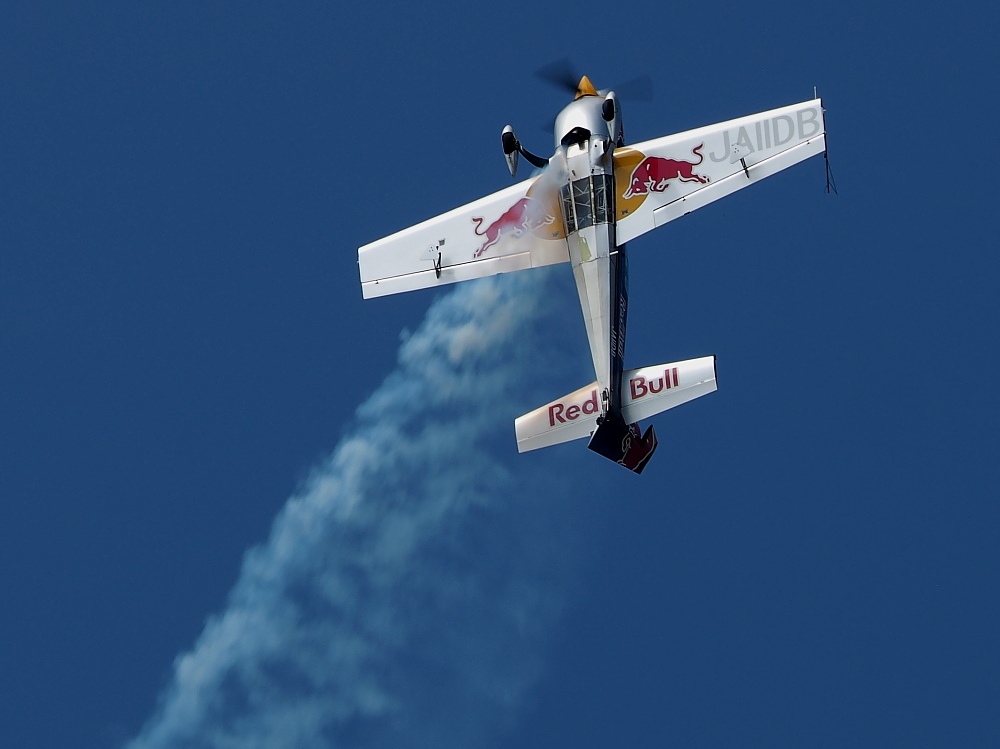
653, 174
525, 215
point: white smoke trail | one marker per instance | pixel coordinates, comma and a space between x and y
404, 594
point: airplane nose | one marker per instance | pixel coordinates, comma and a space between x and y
585, 88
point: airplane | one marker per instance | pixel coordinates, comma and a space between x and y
592, 197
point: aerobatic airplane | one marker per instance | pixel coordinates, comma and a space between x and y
593, 196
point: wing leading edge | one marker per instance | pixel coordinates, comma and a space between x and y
663, 179
657, 181
513, 229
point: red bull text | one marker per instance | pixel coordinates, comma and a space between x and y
640, 387
561, 413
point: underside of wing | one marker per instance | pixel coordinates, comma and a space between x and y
663, 179
513, 229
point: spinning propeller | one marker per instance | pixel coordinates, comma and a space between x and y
564, 75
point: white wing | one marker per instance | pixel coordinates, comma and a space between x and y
663, 179
509, 230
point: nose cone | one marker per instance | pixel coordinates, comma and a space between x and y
585, 88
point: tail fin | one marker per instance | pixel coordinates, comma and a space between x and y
645, 392
623, 443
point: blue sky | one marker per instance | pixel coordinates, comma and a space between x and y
810, 558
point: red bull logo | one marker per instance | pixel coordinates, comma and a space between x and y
654, 174
525, 215
637, 448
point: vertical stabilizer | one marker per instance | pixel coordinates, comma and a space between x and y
623, 443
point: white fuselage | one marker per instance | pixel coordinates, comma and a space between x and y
585, 145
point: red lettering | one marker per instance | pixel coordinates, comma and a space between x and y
573, 413
655, 386
675, 376
555, 413
638, 386
590, 406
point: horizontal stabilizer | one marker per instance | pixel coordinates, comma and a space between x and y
572, 417
652, 390
645, 391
